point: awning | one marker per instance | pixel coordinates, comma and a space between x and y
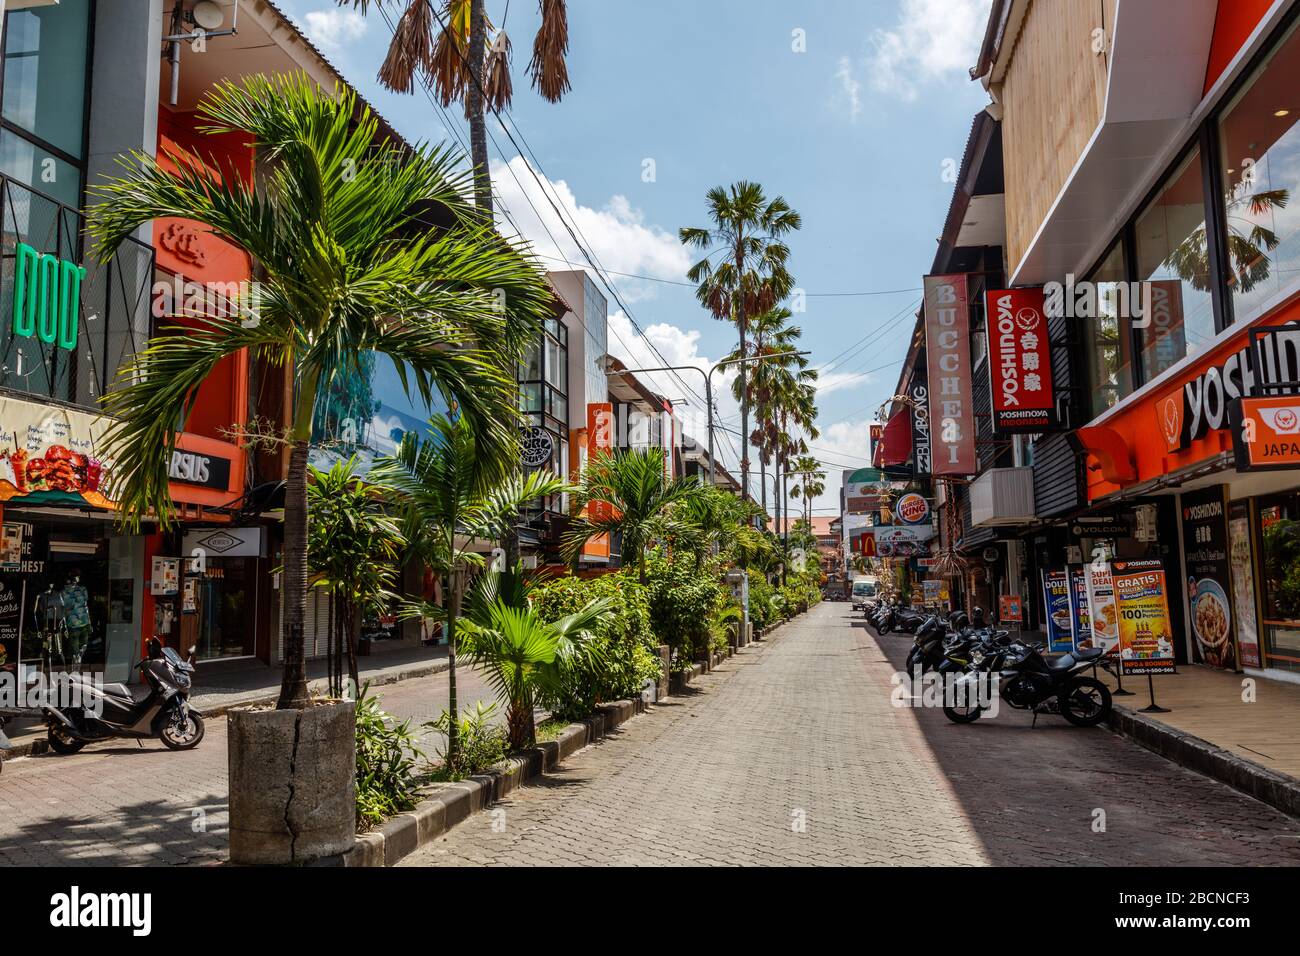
896, 440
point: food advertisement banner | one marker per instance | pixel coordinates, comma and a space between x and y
1010, 609
1146, 644
1100, 586
1080, 612
1020, 361
1205, 548
51, 454
1056, 593
1241, 566
948, 360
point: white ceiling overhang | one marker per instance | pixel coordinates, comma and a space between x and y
1155, 82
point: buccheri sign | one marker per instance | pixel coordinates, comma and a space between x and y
1020, 361
947, 344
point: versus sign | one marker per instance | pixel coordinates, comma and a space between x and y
47, 297
1020, 361
192, 468
947, 346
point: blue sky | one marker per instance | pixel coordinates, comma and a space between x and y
853, 130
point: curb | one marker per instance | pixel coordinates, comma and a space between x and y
1268, 786
406, 832
37, 745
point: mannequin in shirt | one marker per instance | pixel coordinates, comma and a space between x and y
48, 615
76, 618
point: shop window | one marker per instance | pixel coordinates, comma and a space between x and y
1259, 161
45, 74
1279, 530
1172, 256
1106, 337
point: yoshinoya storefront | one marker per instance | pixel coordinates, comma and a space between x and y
1210, 454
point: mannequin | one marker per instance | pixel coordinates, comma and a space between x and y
76, 604
48, 615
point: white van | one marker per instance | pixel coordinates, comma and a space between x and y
864, 592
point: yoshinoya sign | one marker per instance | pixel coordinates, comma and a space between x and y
194, 468
1020, 361
947, 345
1269, 360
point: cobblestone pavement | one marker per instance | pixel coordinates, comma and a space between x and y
791, 753
118, 803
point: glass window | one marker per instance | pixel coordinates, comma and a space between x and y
1171, 256
1279, 530
531, 369
1259, 161
28, 163
1106, 337
45, 72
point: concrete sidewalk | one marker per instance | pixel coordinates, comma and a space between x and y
218, 687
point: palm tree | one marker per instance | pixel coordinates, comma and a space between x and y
345, 268
452, 505
353, 550
749, 276
463, 57
524, 656
715, 520
811, 482
638, 502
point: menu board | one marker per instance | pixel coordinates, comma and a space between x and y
12, 589
1100, 585
1059, 618
1241, 566
1205, 549
1146, 644
1080, 613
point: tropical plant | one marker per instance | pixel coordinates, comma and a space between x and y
632, 499
451, 504
624, 639
353, 552
462, 57
482, 742
524, 656
716, 521
681, 600
811, 482
387, 751
749, 276
345, 267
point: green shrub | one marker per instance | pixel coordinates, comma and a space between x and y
762, 604
482, 743
386, 756
681, 599
624, 639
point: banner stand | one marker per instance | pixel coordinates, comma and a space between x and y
1153, 707
1119, 690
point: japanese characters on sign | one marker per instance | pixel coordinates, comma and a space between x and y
1020, 361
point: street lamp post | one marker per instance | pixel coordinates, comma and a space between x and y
708, 389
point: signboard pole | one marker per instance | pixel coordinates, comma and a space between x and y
1153, 707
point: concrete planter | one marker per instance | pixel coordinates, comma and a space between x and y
292, 783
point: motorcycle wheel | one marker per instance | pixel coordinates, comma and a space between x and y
963, 715
182, 735
63, 743
1084, 702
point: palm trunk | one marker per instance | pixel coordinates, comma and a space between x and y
474, 107
453, 728
293, 686
353, 675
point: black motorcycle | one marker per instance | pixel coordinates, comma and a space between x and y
164, 713
1028, 680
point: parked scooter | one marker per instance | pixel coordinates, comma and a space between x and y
1029, 680
165, 713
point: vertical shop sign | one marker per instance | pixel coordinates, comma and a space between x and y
1241, 566
1100, 586
600, 439
947, 346
1146, 644
920, 395
1056, 595
1020, 361
1080, 612
1205, 550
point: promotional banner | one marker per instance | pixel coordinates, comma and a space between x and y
1010, 609
51, 454
947, 346
1146, 644
1241, 566
1080, 612
1205, 556
1104, 615
898, 541
1020, 361
1056, 594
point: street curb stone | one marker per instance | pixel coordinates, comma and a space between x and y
1277, 790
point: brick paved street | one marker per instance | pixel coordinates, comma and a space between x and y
803, 726
118, 803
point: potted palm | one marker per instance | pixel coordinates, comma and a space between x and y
347, 267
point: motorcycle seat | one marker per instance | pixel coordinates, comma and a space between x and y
1089, 654
1060, 662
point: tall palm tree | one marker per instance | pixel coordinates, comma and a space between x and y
344, 268
454, 502
811, 482
464, 58
638, 500
749, 275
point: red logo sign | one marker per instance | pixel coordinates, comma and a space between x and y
1020, 361
1266, 432
947, 348
912, 509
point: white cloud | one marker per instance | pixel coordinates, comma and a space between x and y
828, 380
850, 88
616, 233
932, 39
333, 29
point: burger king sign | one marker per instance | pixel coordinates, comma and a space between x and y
912, 509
